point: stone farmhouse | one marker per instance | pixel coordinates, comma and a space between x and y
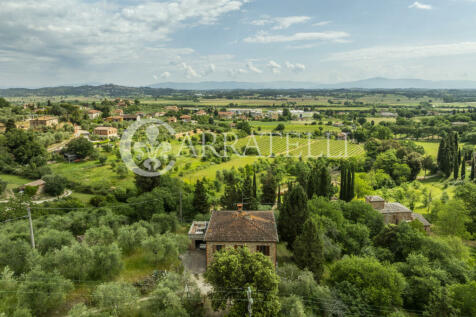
234, 229
395, 213
105, 132
43, 122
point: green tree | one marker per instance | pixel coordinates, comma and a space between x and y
15, 254
52, 239
269, 187
200, 198
308, 248
41, 291
292, 215
422, 280
130, 237
116, 297
175, 295
146, 184
232, 272
379, 285
80, 147
4, 103
463, 297
248, 197
54, 184
452, 219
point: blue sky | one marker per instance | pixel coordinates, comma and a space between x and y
139, 42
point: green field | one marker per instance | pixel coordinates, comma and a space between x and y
293, 126
431, 148
299, 146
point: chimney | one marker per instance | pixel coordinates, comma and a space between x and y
240, 207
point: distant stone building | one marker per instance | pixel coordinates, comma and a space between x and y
233, 229
388, 114
94, 114
105, 132
172, 108
43, 122
3, 127
201, 113
186, 118
131, 117
118, 112
395, 213
225, 115
171, 119
115, 119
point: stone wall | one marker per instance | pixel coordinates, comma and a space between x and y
211, 247
397, 218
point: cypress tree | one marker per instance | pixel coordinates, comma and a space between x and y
343, 186
292, 215
463, 169
254, 185
457, 159
471, 176
200, 199
352, 184
279, 196
268, 188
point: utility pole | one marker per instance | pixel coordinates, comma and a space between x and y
32, 235
250, 301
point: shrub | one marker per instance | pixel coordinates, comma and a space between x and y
54, 184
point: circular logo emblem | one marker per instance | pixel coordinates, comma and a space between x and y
147, 148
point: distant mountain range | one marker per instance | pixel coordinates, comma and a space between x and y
166, 88
371, 83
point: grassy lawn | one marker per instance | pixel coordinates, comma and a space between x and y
209, 170
13, 180
431, 148
91, 172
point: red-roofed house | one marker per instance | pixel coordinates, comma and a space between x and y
233, 229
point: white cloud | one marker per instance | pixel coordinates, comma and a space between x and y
165, 75
267, 38
420, 6
210, 69
189, 71
405, 52
275, 67
322, 23
286, 22
238, 71
253, 68
297, 67
72, 36
280, 23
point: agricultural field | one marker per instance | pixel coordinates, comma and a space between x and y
293, 126
296, 147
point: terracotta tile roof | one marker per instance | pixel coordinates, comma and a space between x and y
244, 226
